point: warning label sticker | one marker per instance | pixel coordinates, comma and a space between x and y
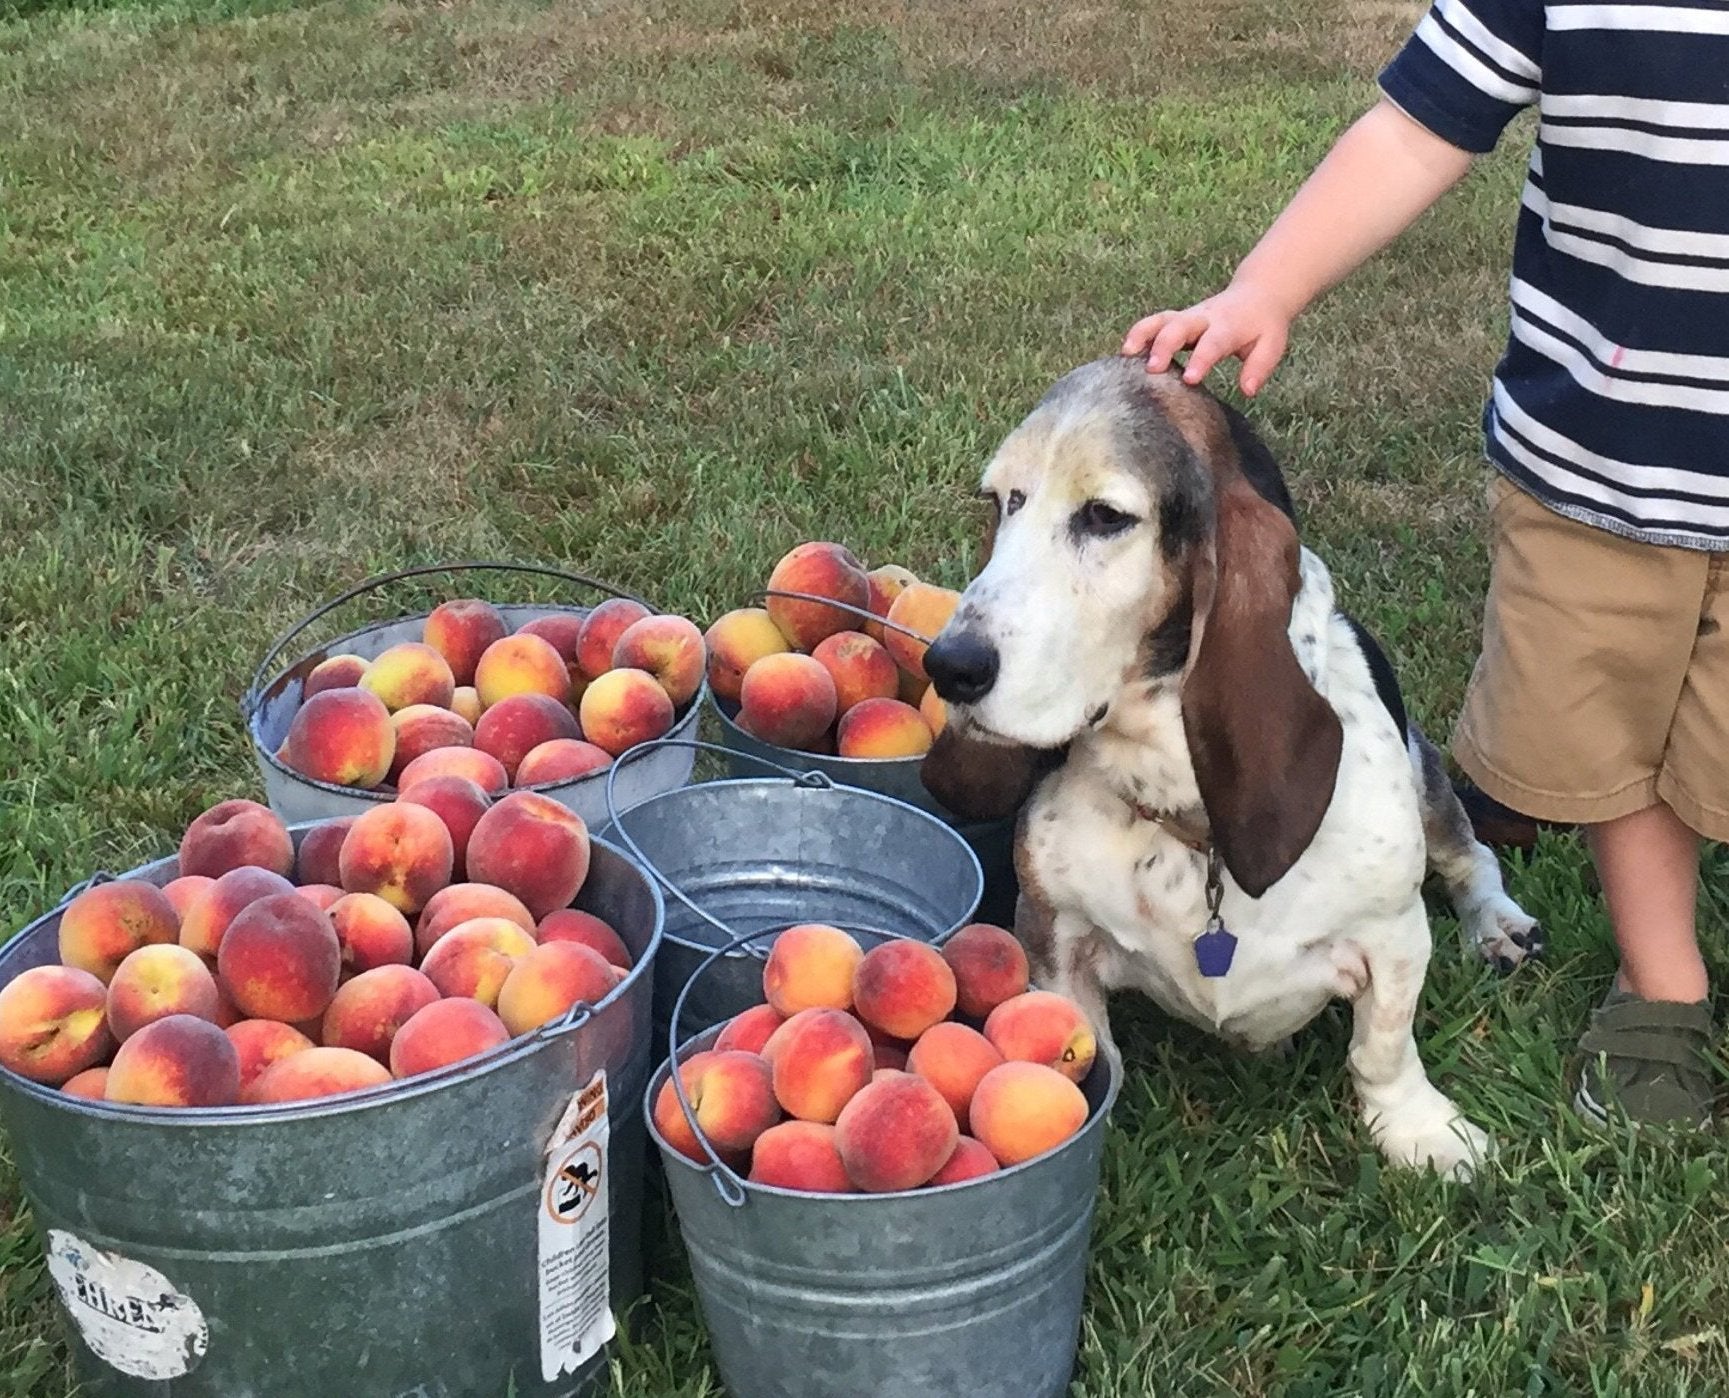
575, 1264
130, 1315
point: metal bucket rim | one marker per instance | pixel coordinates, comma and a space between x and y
1096, 1119
359, 1099
728, 722
948, 832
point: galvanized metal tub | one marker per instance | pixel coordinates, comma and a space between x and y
765, 853
269, 705
382, 1244
993, 841
973, 1288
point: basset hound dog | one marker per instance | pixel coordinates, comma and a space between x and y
1223, 802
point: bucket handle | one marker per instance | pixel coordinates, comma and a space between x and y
863, 613
254, 693
83, 886
817, 781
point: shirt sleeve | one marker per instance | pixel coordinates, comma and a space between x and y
1469, 68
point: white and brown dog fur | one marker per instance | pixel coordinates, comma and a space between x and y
1152, 668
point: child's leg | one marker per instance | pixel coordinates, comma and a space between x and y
1648, 863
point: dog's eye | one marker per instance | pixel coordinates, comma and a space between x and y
1016, 499
1102, 520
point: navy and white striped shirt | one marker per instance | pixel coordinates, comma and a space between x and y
1611, 403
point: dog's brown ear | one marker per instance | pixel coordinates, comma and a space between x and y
1265, 744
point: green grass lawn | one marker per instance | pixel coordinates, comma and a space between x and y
290, 295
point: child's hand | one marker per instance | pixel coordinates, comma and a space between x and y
1238, 321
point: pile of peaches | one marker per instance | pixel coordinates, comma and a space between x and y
555, 700
428, 930
819, 678
886, 1070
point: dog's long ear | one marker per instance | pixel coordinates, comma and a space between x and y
975, 779
1265, 744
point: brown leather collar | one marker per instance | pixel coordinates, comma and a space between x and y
1180, 830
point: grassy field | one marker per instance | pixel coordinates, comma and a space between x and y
293, 294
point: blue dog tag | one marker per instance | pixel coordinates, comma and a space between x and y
1214, 950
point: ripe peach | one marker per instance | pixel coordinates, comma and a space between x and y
280, 959
155, 982
883, 728
933, 711
515, 726
401, 851
751, 1029
1043, 1027
533, 847
409, 673
821, 570
323, 896
184, 891
460, 804
969, 1161
820, 1059
990, 966
315, 1072
600, 633
860, 668
549, 981
521, 664
342, 736
235, 833
925, 610
180, 1061
563, 632
903, 988
445, 1032
369, 1010
481, 768
788, 700
106, 923
623, 708
423, 728
799, 1155
261, 1042
736, 642
333, 672
466, 703
585, 929
91, 1084
208, 919
561, 760
461, 631
668, 647
370, 933
811, 966
895, 1134
53, 1023
475, 957
731, 1094
953, 1059
463, 902
886, 584
320, 859
1024, 1109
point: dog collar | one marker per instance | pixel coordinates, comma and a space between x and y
1175, 826
1215, 946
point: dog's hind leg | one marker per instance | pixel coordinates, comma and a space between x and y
1500, 930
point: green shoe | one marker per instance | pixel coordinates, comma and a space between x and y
1647, 1059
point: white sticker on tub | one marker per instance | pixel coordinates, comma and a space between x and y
130, 1315
575, 1263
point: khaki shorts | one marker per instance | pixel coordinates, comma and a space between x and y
1603, 685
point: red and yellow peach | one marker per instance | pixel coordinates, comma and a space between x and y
820, 570
342, 736
622, 708
896, 1133
521, 664
53, 1023
668, 647
369, 1010
515, 726
461, 631
400, 851
736, 642
232, 834
410, 673
445, 1032
788, 700
280, 959
180, 1061
106, 923
155, 982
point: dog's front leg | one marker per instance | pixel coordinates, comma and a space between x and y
1063, 956
1412, 1121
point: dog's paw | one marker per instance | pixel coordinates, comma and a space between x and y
1433, 1134
1504, 934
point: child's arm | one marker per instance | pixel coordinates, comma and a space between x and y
1374, 184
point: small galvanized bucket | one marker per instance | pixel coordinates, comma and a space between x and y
766, 853
968, 1289
993, 841
405, 1241
268, 706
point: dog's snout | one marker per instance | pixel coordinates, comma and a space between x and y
962, 665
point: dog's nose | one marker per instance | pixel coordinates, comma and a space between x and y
962, 665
